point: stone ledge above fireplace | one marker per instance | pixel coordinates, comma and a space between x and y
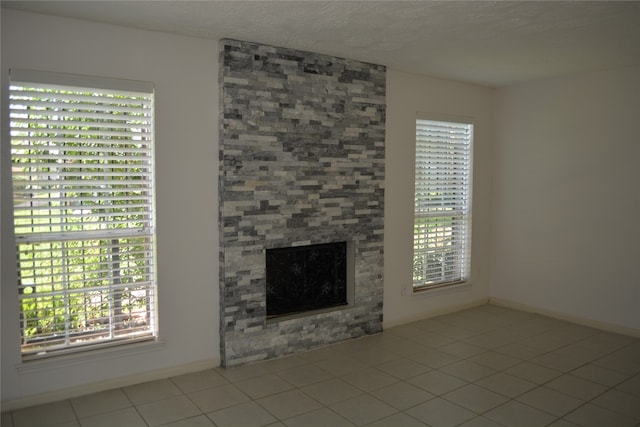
301, 161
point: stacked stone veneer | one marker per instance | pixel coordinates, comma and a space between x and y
301, 162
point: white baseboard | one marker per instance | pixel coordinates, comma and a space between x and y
433, 313
608, 327
72, 392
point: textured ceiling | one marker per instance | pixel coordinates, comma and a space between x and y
493, 43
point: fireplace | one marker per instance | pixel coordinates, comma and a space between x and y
303, 279
302, 156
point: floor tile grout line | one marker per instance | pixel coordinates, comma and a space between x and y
283, 419
135, 407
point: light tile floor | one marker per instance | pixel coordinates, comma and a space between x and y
485, 366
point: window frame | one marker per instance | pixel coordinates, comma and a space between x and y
123, 240
456, 203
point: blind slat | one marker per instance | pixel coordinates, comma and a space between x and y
44, 105
75, 185
59, 236
70, 158
91, 116
90, 121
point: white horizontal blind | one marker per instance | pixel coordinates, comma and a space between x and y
442, 224
83, 214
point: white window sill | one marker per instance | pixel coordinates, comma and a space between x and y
440, 290
54, 361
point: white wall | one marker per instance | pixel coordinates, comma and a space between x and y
184, 71
408, 94
566, 217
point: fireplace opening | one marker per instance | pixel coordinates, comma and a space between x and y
306, 278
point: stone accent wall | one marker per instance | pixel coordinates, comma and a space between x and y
301, 162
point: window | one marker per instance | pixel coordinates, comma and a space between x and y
83, 203
442, 222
